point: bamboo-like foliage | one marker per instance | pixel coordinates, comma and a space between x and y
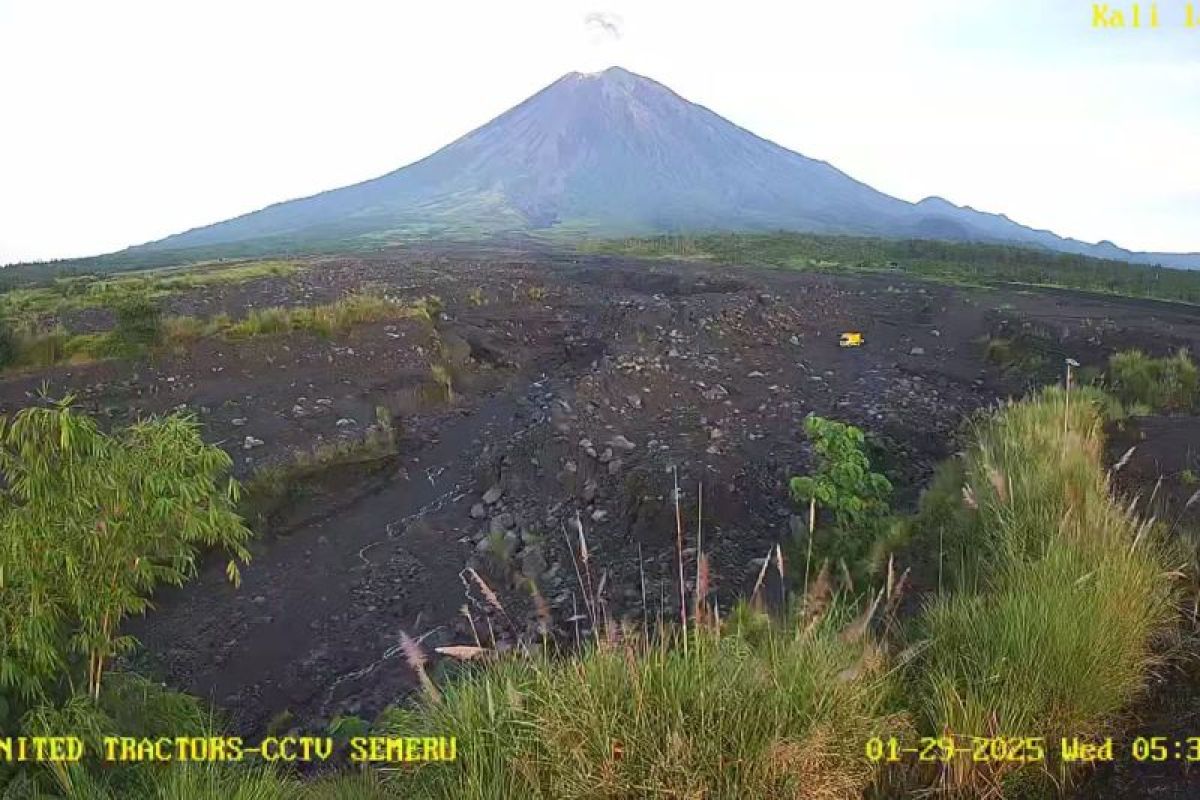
90, 523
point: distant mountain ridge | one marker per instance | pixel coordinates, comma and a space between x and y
614, 153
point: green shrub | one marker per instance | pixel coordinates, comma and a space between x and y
1025, 354
325, 320
90, 524
428, 308
42, 348
843, 485
1162, 384
262, 323
1053, 595
182, 329
138, 322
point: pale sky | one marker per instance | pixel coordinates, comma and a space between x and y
123, 121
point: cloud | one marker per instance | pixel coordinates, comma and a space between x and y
604, 23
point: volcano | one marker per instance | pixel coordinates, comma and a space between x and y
614, 153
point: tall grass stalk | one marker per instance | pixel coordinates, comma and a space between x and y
752, 710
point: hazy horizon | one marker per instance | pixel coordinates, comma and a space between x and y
133, 121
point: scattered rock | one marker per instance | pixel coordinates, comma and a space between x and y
533, 563
621, 443
501, 523
345, 422
614, 466
599, 515
634, 401
249, 443
493, 495
917, 351
238, 422
715, 433
478, 511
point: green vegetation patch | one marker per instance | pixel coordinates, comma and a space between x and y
950, 262
27, 305
325, 319
1160, 384
140, 328
844, 487
89, 525
1054, 593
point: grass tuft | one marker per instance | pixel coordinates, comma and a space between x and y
1160, 384
1054, 593
752, 710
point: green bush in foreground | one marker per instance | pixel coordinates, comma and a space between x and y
1162, 384
1055, 592
90, 524
758, 709
843, 485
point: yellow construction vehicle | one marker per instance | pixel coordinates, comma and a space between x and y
851, 339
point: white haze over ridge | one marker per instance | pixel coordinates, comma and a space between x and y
128, 120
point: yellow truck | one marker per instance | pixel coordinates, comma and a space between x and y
851, 339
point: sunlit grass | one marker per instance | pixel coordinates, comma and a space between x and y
1161, 384
325, 320
1054, 592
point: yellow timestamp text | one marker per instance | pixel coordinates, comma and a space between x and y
982, 749
1184, 749
287, 749
1031, 749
